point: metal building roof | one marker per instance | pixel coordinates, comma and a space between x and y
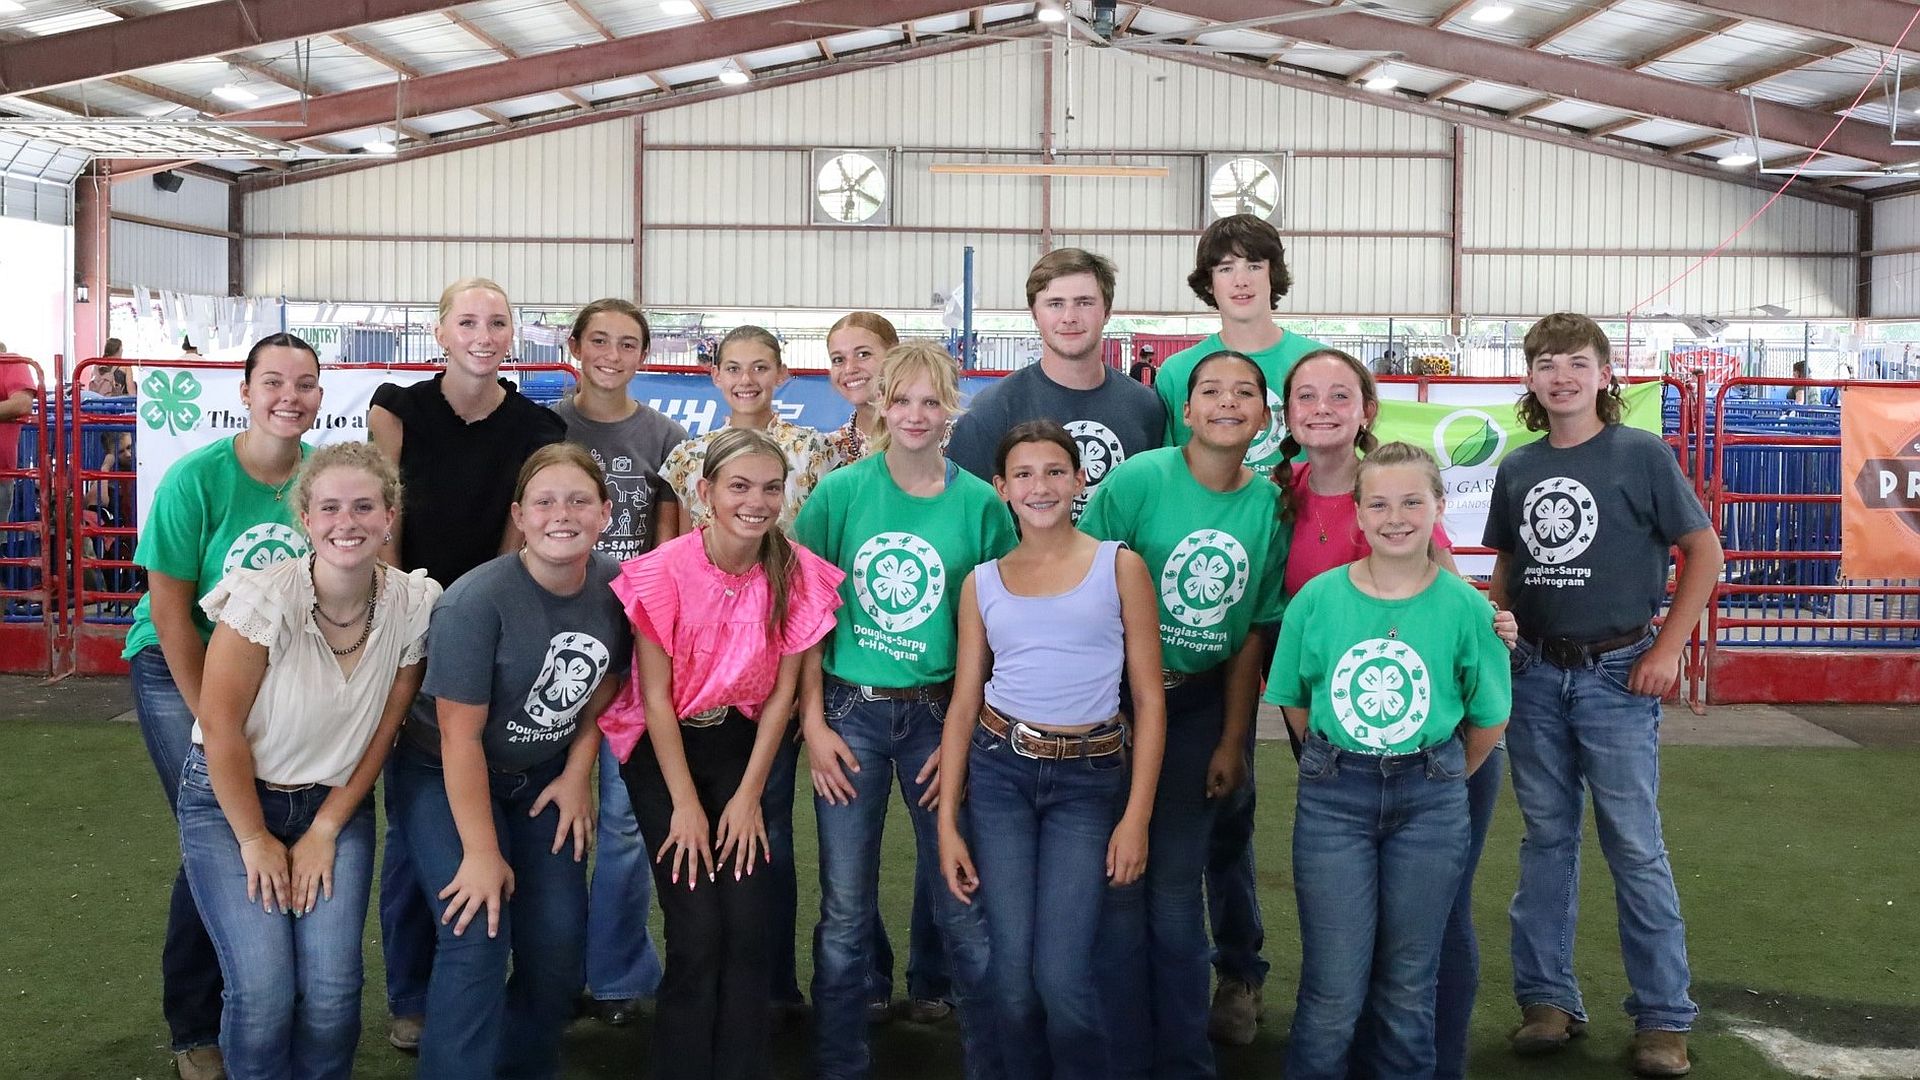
1668, 80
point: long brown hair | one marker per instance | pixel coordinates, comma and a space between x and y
776, 556
1291, 479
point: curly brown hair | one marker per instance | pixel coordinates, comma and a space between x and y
1249, 237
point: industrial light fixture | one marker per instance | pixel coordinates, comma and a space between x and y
1050, 14
678, 7
1492, 13
1381, 82
379, 146
1744, 153
235, 90
731, 75
10, 7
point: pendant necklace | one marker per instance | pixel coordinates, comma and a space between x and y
280, 492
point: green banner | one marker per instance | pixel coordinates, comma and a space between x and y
1471, 439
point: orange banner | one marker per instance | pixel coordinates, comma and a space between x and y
1879, 482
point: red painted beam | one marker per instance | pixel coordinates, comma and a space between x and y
602, 61
185, 34
1564, 76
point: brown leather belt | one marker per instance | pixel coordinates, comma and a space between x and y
1568, 653
1031, 742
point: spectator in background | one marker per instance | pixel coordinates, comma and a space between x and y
1801, 395
17, 394
188, 348
1143, 369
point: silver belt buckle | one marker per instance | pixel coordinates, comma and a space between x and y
705, 717
1171, 679
1019, 728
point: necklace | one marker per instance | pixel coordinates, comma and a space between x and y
366, 629
280, 492
322, 612
1393, 631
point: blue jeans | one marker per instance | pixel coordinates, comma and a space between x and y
407, 932
1460, 948
1040, 831
1575, 729
1459, 982
292, 984
1153, 936
927, 977
1379, 843
190, 987
621, 961
1233, 895
480, 1022
889, 738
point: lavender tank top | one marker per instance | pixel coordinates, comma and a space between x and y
1056, 659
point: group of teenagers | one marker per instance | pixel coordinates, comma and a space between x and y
1047, 618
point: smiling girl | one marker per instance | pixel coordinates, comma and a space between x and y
721, 619
493, 793
905, 523
459, 439
1040, 751
312, 665
221, 507
1208, 528
855, 346
1391, 675
748, 371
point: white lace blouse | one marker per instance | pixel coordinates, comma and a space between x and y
311, 724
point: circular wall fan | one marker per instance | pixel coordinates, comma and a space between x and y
1244, 185
851, 188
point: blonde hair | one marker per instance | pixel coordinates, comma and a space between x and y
904, 364
447, 294
872, 323
1400, 453
347, 455
560, 453
776, 556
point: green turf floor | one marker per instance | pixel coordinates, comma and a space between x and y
1799, 872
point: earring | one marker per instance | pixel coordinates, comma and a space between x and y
389, 538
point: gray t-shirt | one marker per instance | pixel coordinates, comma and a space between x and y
532, 658
1588, 529
1112, 422
629, 452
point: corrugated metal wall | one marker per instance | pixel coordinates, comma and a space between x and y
161, 258
1551, 228
550, 217
1368, 196
1895, 279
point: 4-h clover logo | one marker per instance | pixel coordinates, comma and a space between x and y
1204, 577
1558, 520
899, 580
1381, 693
1267, 445
574, 665
1100, 452
169, 403
262, 546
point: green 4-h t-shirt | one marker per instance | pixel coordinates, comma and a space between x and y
1171, 382
208, 517
906, 558
1218, 559
1390, 676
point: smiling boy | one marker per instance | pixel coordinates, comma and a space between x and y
1581, 523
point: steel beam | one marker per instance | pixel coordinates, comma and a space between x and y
1871, 24
1563, 76
1557, 136
185, 34
600, 62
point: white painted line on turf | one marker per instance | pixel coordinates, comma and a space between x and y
1820, 1061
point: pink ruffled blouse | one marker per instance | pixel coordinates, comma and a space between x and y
713, 625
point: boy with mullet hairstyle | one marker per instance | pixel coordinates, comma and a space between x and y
1581, 523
